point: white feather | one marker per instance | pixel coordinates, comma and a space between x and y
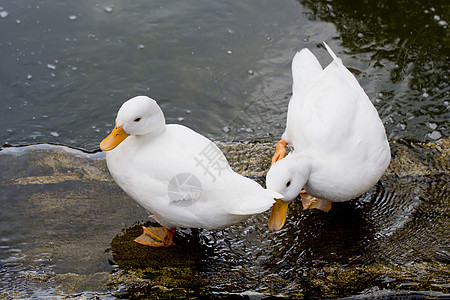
335, 132
206, 193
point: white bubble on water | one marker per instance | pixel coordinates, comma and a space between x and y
72, 18
51, 66
401, 126
435, 135
3, 14
442, 23
54, 133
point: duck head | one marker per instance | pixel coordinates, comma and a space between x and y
140, 115
287, 177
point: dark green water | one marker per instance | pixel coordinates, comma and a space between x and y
219, 67
223, 69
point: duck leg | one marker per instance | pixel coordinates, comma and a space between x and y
310, 202
156, 236
280, 151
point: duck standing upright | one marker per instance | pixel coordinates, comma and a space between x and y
177, 174
340, 148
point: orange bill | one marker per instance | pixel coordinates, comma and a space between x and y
278, 215
114, 138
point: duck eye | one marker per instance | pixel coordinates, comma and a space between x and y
288, 183
137, 119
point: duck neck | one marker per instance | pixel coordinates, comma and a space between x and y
156, 127
301, 165
160, 124
156, 130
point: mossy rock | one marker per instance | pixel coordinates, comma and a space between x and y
68, 228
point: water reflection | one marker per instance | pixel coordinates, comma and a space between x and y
217, 67
404, 32
408, 38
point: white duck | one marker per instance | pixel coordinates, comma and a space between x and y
340, 149
177, 174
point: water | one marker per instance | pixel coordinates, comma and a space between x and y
221, 68
67, 230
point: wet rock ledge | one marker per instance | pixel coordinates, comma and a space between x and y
67, 230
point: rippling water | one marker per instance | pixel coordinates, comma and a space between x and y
394, 237
66, 229
221, 68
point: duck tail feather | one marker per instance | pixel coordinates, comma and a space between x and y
333, 55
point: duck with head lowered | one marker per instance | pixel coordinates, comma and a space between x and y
178, 175
340, 148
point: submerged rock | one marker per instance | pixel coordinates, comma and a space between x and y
67, 229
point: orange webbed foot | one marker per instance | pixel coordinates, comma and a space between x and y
280, 151
156, 237
310, 202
